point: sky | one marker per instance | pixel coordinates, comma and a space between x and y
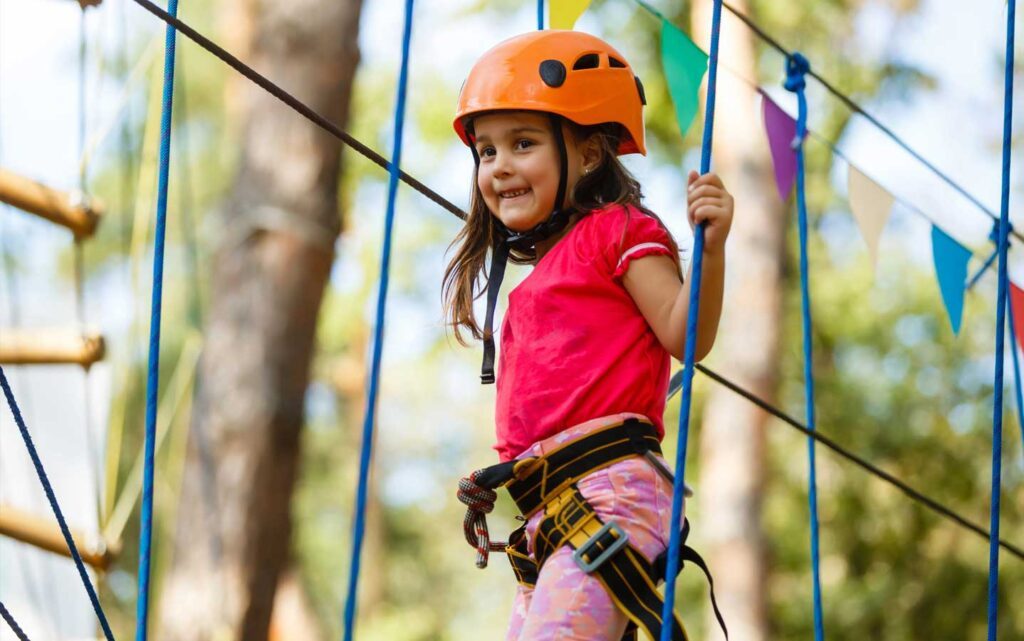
957, 126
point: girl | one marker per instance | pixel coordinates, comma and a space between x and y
587, 337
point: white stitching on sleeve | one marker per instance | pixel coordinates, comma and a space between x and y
636, 248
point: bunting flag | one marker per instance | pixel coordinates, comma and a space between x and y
871, 205
781, 130
685, 65
951, 269
563, 14
1017, 301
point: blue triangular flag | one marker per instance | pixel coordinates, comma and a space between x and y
951, 268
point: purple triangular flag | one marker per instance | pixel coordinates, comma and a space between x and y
781, 130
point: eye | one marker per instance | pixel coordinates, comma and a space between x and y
524, 143
486, 151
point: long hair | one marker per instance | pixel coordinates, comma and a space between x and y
610, 183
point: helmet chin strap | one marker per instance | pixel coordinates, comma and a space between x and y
525, 241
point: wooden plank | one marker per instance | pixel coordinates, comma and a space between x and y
49, 347
68, 209
45, 534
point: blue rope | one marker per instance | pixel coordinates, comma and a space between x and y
12, 623
797, 67
52, 498
997, 411
359, 526
540, 14
689, 352
984, 268
1016, 367
153, 379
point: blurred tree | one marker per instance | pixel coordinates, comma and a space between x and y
268, 278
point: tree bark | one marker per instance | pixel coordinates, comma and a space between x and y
732, 447
269, 273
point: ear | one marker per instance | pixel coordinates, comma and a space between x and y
591, 153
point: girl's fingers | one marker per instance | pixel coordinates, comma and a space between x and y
707, 200
709, 213
706, 179
706, 190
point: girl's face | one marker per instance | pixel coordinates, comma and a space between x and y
519, 166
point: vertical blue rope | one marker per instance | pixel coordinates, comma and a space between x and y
997, 411
153, 379
18, 632
359, 526
796, 68
1016, 368
52, 498
689, 352
540, 14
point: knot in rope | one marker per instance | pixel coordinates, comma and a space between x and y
479, 502
797, 66
993, 234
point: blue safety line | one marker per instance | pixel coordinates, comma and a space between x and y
689, 352
997, 410
797, 68
359, 526
52, 498
153, 378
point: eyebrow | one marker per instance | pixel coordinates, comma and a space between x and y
517, 130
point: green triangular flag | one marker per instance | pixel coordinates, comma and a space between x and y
685, 65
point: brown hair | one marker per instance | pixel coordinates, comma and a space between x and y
464, 278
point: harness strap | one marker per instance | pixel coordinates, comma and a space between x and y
630, 580
535, 481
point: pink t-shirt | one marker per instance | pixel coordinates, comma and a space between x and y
574, 345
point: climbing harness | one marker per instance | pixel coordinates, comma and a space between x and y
549, 483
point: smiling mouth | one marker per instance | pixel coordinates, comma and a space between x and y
513, 193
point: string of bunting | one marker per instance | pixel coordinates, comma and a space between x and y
871, 204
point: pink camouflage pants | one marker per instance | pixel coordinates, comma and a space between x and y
566, 604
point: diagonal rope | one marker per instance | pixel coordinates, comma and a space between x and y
690, 350
858, 109
359, 526
18, 632
997, 410
296, 104
308, 113
52, 498
153, 378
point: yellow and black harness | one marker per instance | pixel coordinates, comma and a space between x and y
600, 549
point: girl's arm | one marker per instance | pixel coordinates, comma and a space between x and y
653, 281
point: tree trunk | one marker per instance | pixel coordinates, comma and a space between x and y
732, 448
268, 278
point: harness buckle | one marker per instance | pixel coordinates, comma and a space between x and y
611, 530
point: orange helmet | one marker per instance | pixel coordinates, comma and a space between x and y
569, 73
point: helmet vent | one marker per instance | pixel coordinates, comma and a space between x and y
615, 62
587, 61
552, 72
640, 88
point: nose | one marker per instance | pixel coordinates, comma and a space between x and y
502, 165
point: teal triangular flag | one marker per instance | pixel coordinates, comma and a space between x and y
685, 65
951, 268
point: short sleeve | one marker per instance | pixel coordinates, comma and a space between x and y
640, 235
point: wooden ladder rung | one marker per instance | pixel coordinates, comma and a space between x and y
45, 534
67, 209
49, 347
